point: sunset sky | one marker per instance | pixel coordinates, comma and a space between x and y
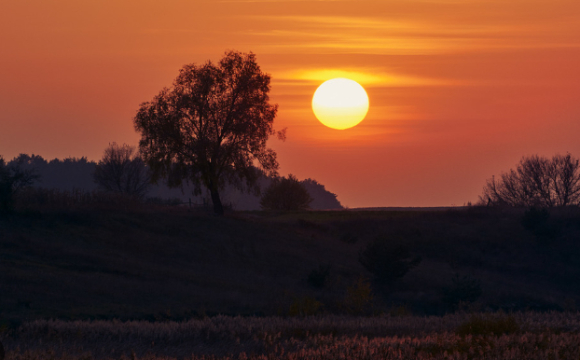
459, 89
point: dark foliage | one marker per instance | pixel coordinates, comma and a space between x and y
13, 178
74, 175
319, 277
349, 238
66, 174
41, 199
534, 218
322, 198
211, 126
287, 194
387, 261
359, 298
463, 291
122, 171
492, 324
537, 221
537, 181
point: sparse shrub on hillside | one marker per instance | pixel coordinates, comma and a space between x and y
349, 238
463, 291
319, 277
387, 261
305, 306
359, 297
286, 194
537, 221
491, 324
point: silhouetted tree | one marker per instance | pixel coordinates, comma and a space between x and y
286, 194
121, 170
322, 198
12, 179
537, 181
211, 127
387, 261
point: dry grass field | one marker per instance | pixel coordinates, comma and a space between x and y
458, 336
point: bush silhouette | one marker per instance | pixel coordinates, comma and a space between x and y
497, 325
464, 290
387, 261
305, 306
537, 221
286, 194
359, 298
318, 277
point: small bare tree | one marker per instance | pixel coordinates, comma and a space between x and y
537, 181
121, 170
565, 175
13, 178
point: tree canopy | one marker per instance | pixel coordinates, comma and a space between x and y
286, 194
211, 126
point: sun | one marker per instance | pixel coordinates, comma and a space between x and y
340, 103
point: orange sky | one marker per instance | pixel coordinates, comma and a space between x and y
459, 89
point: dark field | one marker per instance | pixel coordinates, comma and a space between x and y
156, 263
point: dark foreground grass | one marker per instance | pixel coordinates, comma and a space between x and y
513, 336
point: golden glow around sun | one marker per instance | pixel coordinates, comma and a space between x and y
340, 103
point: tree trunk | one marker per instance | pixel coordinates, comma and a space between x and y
218, 208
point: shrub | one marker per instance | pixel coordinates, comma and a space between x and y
318, 277
359, 297
305, 306
286, 194
349, 238
499, 324
464, 290
387, 261
537, 222
534, 217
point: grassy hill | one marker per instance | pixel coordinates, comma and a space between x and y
158, 263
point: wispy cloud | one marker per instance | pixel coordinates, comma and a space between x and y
382, 35
367, 77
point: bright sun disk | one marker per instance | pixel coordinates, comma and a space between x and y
340, 103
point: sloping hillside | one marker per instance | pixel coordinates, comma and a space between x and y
170, 263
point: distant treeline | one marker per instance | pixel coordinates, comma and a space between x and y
77, 174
